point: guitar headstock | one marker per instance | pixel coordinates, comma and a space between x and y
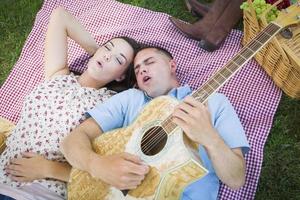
289, 16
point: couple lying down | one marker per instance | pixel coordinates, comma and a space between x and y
63, 114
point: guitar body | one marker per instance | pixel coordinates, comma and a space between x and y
174, 162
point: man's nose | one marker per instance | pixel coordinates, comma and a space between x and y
143, 69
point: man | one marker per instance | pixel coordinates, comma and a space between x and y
215, 127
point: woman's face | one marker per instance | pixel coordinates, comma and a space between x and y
111, 61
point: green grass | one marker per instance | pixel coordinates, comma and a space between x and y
16, 19
280, 177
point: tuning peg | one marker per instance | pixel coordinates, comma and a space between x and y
286, 10
298, 16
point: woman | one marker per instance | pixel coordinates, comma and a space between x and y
57, 105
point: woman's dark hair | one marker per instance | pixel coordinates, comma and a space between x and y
129, 80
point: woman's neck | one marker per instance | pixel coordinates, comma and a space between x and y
87, 81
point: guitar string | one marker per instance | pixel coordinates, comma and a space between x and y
153, 141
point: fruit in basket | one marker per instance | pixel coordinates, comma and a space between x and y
260, 6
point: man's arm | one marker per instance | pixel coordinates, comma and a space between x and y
229, 164
124, 171
61, 26
77, 148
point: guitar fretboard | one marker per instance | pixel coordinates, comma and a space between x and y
221, 76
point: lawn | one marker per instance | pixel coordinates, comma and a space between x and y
280, 177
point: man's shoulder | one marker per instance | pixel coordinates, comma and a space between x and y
127, 97
218, 98
130, 92
218, 102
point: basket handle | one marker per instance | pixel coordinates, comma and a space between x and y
252, 12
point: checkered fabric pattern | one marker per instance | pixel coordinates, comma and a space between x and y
251, 91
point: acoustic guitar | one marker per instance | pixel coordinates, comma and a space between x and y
173, 158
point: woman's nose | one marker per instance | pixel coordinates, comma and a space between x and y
107, 57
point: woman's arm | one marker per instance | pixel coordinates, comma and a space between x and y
58, 170
33, 167
61, 26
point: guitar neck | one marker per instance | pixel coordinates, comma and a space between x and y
226, 72
236, 63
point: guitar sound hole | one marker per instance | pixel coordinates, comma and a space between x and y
154, 141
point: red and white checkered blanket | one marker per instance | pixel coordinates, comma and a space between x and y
251, 91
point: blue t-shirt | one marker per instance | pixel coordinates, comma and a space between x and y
123, 108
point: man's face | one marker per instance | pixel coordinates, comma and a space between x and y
154, 72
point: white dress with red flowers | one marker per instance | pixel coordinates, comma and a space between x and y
50, 112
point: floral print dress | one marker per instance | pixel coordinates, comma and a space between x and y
50, 112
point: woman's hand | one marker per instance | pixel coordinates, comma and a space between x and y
28, 168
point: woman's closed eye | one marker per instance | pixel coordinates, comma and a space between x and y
107, 48
119, 61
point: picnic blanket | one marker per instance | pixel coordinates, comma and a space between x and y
251, 91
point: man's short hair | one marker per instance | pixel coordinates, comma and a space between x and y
160, 49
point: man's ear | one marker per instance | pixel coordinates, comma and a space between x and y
173, 65
121, 78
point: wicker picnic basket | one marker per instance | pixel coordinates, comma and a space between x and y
5, 129
280, 57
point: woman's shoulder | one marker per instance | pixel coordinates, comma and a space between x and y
62, 81
59, 77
